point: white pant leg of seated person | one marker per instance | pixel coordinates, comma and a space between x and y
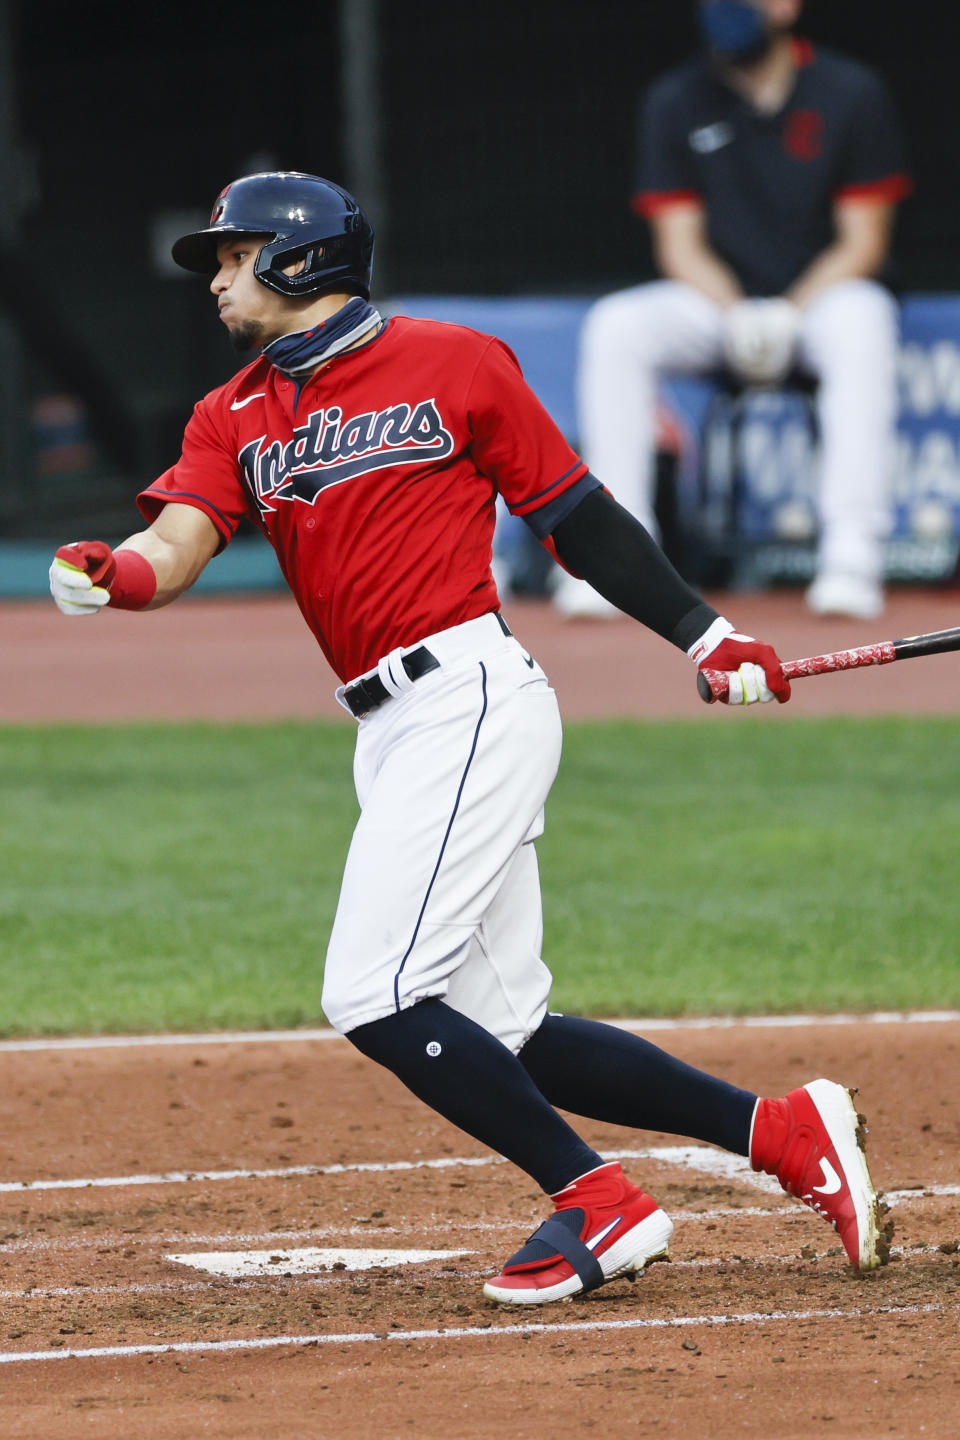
848, 339
629, 339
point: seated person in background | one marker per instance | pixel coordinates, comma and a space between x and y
769, 172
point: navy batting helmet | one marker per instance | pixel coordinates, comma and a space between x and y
304, 218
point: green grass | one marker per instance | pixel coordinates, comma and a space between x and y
186, 877
763, 867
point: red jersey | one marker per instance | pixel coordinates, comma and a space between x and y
376, 484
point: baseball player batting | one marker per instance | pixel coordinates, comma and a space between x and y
370, 452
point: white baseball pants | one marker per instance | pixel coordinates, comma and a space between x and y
847, 339
441, 891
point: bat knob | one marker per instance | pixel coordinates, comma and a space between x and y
703, 687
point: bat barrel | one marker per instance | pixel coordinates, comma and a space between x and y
937, 642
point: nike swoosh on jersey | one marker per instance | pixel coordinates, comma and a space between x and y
711, 137
602, 1234
239, 404
831, 1177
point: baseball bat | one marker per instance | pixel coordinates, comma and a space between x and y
712, 684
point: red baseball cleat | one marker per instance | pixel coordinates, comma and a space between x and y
603, 1227
813, 1142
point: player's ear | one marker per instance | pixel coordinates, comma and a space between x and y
296, 267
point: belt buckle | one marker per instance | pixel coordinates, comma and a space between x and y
357, 688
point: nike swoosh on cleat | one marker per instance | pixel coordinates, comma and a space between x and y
833, 1181
239, 404
602, 1234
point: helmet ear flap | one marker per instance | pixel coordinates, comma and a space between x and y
277, 258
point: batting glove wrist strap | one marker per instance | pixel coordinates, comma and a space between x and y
709, 640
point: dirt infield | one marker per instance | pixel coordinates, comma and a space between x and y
115, 1159
255, 659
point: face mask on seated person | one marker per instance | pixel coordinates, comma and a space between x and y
734, 31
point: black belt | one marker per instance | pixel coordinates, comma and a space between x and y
366, 695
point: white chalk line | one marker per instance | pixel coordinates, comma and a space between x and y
191, 1177
702, 1158
132, 1042
697, 1157
272, 1037
467, 1332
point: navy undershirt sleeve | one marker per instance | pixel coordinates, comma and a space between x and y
545, 520
604, 543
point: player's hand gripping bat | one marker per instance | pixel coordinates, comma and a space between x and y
713, 685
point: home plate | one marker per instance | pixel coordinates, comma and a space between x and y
243, 1263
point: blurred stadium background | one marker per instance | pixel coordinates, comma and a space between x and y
492, 144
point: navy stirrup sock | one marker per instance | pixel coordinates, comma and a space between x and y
472, 1079
607, 1074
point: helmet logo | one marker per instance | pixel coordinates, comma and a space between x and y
220, 205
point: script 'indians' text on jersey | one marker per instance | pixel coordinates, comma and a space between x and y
376, 481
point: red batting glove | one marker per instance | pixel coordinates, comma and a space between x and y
737, 650
723, 648
93, 557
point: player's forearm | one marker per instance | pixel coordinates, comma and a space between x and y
604, 543
839, 262
177, 546
857, 254
175, 565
